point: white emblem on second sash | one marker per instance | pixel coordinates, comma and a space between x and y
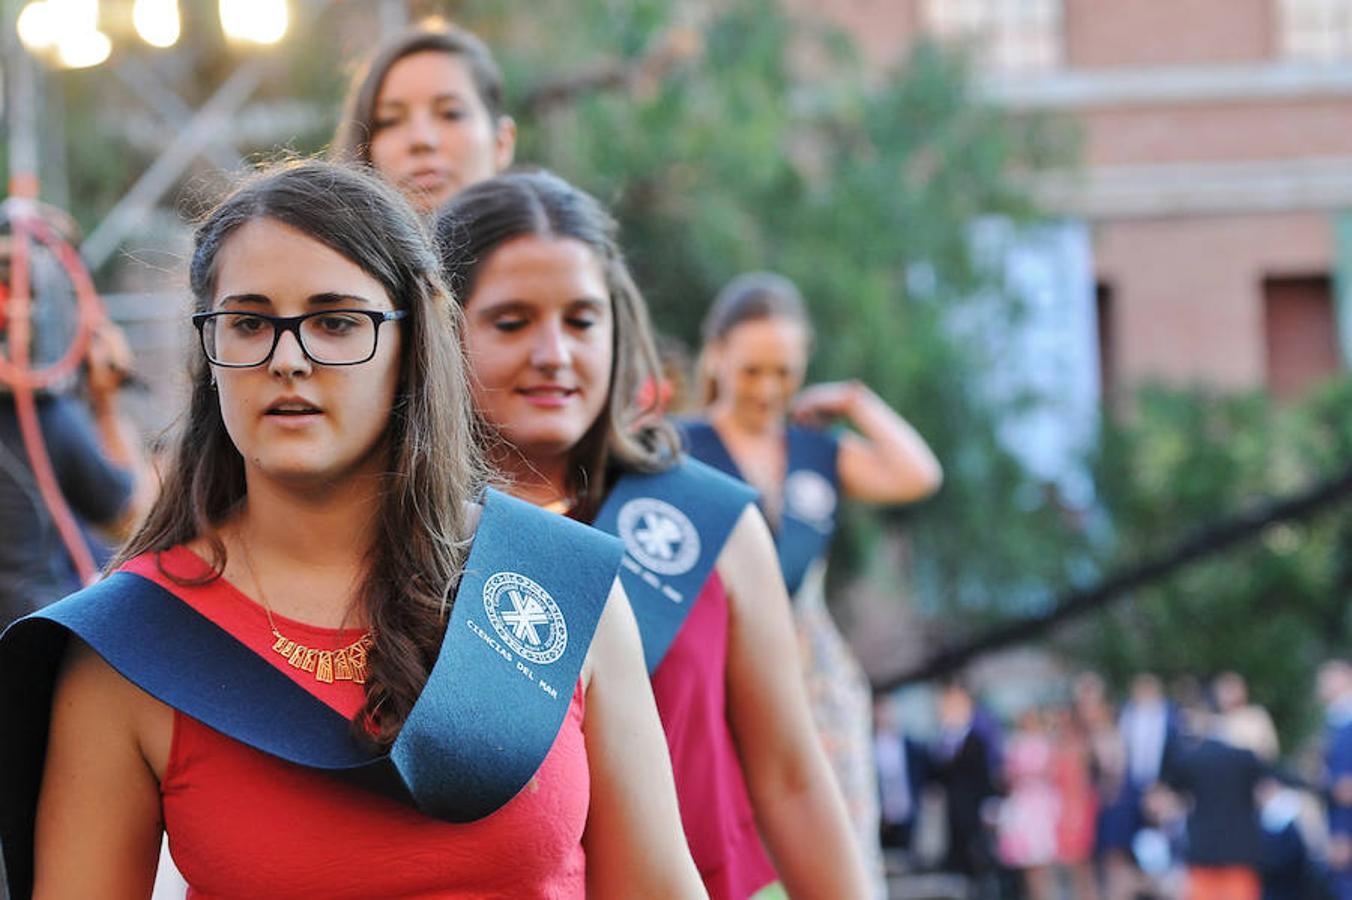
809, 496
658, 536
525, 617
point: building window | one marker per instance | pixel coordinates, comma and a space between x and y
1011, 35
1104, 319
1300, 332
1317, 30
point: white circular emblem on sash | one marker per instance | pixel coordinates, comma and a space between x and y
659, 536
809, 496
525, 617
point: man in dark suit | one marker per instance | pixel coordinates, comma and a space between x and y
961, 766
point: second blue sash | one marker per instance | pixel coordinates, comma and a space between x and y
673, 525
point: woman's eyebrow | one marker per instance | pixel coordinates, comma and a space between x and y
246, 299
503, 306
327, 298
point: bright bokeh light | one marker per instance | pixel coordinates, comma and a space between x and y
37, 26
157, 21
255, 21
69, 26
82, 49
75, 17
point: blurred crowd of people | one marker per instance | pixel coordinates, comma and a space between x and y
1179, 793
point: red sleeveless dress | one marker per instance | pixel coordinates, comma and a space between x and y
691, 690
245, 824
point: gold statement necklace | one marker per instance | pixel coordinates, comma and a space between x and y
344, 664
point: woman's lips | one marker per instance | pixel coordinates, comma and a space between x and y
429, 180
547, 397
293, 418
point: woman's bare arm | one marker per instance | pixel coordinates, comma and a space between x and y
634, 841
799, 808
99, 822
887, 461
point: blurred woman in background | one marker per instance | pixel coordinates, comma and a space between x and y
426, 112
759, 426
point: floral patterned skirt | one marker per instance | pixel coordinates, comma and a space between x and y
842, 707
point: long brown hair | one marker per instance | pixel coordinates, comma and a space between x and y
626, 434
434, 471
352, 141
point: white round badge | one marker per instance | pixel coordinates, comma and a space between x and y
809, 496
659, 536
525, 617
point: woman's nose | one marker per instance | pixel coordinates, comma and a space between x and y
550, 350
422, 132
288, 359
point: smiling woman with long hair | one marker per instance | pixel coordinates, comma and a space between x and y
330, 661
559, 348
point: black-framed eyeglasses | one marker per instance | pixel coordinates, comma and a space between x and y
329, 337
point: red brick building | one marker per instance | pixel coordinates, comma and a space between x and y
1218, 167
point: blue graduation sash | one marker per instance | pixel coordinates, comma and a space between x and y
811, 492
673, 525
483, 724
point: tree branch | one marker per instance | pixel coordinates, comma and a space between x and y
1205, 543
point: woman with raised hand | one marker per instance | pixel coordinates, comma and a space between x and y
559, 348
426, 112
329, 661
759, 425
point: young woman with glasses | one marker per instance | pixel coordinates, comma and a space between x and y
329, 661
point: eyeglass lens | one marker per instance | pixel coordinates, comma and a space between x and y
245, 339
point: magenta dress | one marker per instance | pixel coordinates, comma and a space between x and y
691, 690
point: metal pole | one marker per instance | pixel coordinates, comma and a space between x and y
21, 114
211, 119
171, 108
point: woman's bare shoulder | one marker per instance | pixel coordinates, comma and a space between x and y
101, 700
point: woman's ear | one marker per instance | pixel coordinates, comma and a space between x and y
711, 360
505, 143
706, 372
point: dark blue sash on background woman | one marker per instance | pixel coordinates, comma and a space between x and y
673, 525
527, 605
811, 492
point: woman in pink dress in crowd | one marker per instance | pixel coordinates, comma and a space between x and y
1026, 829
1075, 825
